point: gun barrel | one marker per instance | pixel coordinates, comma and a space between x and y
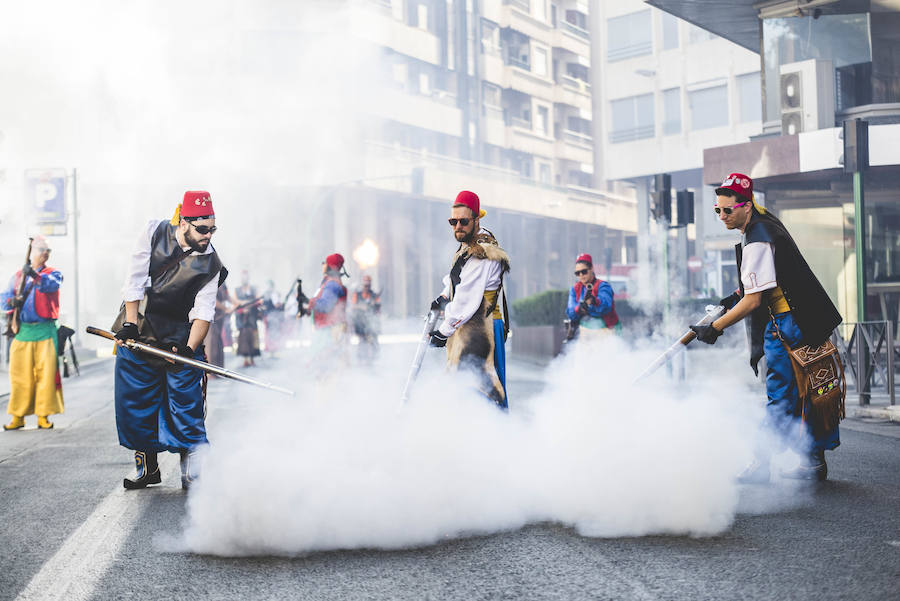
208, 367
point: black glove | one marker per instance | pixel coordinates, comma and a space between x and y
439, 303
17, 301
128, 331
184, 350
437, 339
29, 271
707, 334
730, 301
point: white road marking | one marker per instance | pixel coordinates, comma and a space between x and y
75, 569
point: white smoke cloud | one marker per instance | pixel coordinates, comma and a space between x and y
347, 467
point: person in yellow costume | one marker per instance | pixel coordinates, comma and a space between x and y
35, 385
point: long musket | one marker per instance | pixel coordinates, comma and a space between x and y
713, 312
12, 324
430, 321
213, 369
249, 303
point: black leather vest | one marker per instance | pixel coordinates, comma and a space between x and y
173, 290
813, 311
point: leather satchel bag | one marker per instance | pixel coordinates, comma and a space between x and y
821, 385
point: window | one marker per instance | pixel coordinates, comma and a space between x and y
539, 9
424, 83
749, 97
709, 107
697, 35
631, 118
544, 173
422, 12
669, 31
629, 36
671, 111
543, 120
491, 95
490, 37
540, 61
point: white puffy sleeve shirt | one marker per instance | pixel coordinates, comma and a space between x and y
758, 267
477, 276
138, 277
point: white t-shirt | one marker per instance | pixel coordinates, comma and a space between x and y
758, 267
138, 277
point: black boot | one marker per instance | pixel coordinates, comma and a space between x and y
189, 469
147, 471
812, 467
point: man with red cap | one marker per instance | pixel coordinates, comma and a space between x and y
35, 385
591, 304
329, 311
474, 328
169, 301
788, 308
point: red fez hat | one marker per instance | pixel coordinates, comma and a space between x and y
335, 261
738, 183
469, 199
584, 258
197, 204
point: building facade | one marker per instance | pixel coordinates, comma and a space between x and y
667, 91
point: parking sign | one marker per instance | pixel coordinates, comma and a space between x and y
45, 193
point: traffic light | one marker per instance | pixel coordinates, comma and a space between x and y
661, 198
684, 201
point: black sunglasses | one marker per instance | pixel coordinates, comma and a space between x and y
581, 271
728, 210
204, 229
463, 222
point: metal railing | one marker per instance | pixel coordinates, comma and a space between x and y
868, 357
523, 4
515, 62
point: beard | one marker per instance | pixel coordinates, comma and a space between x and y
465, 237
197, 245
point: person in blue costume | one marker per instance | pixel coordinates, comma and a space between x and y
474, 328
169, 301
787, 306
591, 305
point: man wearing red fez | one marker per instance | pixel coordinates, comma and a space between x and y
329, 310
169, 301
788, 309
474, 328
591, 304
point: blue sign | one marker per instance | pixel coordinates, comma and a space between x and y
45, 192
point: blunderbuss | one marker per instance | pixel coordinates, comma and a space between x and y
176, 358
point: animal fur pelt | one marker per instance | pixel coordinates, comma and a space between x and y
472, 347
485, 246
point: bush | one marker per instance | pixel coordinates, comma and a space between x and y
546, 308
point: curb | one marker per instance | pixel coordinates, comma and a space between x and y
889, 413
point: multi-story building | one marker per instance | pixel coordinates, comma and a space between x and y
666, 90
315, 126
505, 109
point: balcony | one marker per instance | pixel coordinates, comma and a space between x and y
520, 63
575, 146
520, 4
576, 30
579, 85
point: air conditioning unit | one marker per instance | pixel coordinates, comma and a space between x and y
807, 96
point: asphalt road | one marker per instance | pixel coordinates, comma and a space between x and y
69, 532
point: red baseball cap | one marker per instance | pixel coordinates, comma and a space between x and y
738, 183
584, 258
471, 200
197, 203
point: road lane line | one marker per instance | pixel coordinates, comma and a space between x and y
72, 573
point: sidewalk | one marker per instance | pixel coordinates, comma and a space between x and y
878, 408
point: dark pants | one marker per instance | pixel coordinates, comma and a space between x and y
159, 408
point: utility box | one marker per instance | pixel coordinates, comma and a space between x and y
807, 96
